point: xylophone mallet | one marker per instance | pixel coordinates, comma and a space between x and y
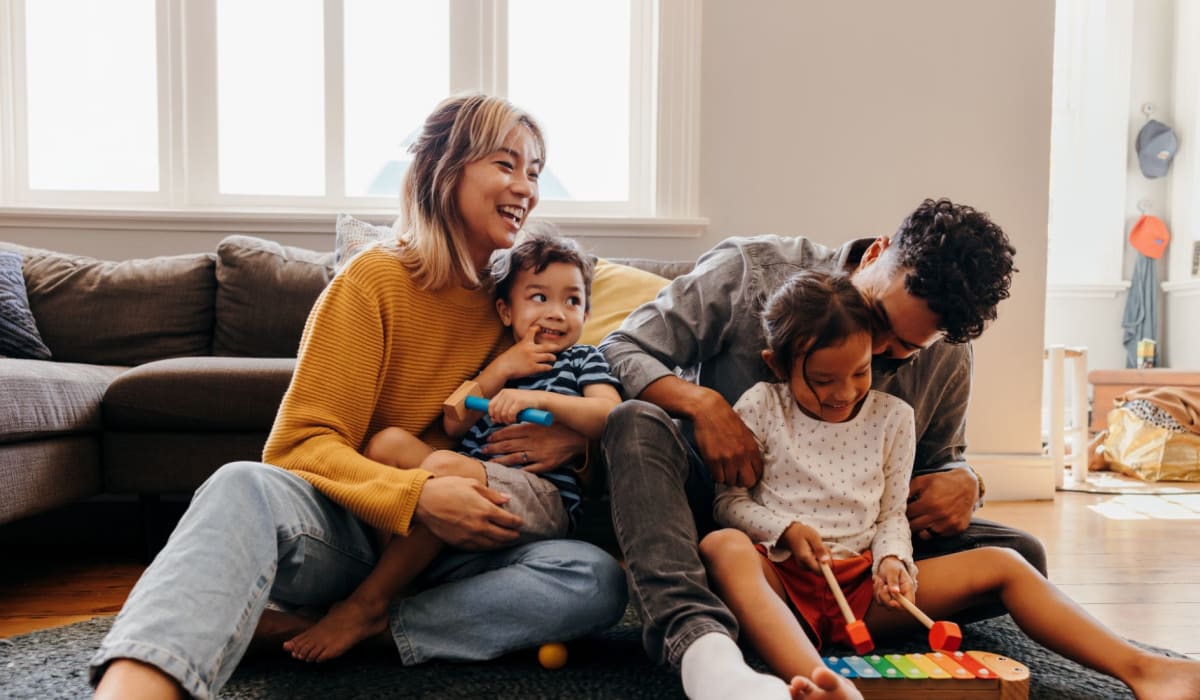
469, 397
943, 635
856, 630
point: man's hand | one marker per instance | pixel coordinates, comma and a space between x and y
806, 545
726, 445
941, 504
536, 448
892, 581
464, 514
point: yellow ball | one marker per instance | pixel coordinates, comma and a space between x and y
552, 655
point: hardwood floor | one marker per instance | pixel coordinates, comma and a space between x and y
1129, 560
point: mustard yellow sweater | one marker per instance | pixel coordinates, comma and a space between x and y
378, 351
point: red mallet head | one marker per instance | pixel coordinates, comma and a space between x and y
859, 637
945, 636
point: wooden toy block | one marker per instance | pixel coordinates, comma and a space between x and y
456, 403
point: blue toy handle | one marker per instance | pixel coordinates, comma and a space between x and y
527, 415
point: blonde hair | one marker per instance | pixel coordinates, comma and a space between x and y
461, 130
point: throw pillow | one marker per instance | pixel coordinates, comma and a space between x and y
353, 235
616, 291
19, 336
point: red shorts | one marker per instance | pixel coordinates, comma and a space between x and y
811, 598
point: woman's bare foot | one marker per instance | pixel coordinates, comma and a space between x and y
127, 678
276, 627
1167, 678
825, 685
347, 623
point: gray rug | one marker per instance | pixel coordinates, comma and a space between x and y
52, 663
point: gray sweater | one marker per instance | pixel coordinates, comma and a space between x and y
707, 324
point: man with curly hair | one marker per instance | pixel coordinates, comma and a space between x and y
686, 358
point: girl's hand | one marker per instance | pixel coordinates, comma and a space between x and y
525, 358
805, 545
892, 581
508, 403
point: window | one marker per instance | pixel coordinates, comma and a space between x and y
311, 104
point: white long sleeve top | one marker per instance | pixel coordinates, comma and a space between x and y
848, 481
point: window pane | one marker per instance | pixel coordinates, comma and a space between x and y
568, 63
92, 95
271, 97
397, 70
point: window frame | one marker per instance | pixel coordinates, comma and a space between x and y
664, 69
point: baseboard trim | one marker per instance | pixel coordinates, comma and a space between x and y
1015, 476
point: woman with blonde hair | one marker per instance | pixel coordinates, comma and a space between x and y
394, 333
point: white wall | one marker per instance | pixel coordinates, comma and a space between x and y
833, 120
1128, 55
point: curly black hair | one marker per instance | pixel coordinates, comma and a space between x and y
959, 261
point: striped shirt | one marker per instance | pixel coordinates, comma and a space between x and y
575, 368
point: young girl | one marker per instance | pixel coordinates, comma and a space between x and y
394, 333
837, 460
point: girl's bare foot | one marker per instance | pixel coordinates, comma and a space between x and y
347, 623
825, 685
1167, 678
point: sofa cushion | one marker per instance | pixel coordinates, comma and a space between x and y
198, 394
39, 475
352, 236
43, 399
264, 293
19, 335
617, 290
121, 313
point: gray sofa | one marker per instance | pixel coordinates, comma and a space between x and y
162, 369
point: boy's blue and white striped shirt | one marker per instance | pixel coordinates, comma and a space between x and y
575, 368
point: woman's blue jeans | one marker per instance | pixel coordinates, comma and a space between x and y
255, 532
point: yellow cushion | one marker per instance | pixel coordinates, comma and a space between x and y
617, 290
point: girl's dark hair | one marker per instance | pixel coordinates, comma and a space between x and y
539, 245
813, 309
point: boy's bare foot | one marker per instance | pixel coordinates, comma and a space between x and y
1166, 678
347, 623
825, 685
276, 627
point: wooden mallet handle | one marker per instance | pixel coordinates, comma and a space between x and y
916, 612
837, 593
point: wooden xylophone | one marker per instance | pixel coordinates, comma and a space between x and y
960, 674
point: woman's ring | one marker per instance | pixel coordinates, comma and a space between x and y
524, 457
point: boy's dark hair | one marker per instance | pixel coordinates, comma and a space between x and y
959, 261
813, 309
539, 246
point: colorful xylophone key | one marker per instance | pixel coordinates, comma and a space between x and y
972, 674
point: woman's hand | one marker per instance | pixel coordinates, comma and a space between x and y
464, 514
507, 403
892, 581
806, 545
536, 448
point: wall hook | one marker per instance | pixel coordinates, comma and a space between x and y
1144, 205
1148, 109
